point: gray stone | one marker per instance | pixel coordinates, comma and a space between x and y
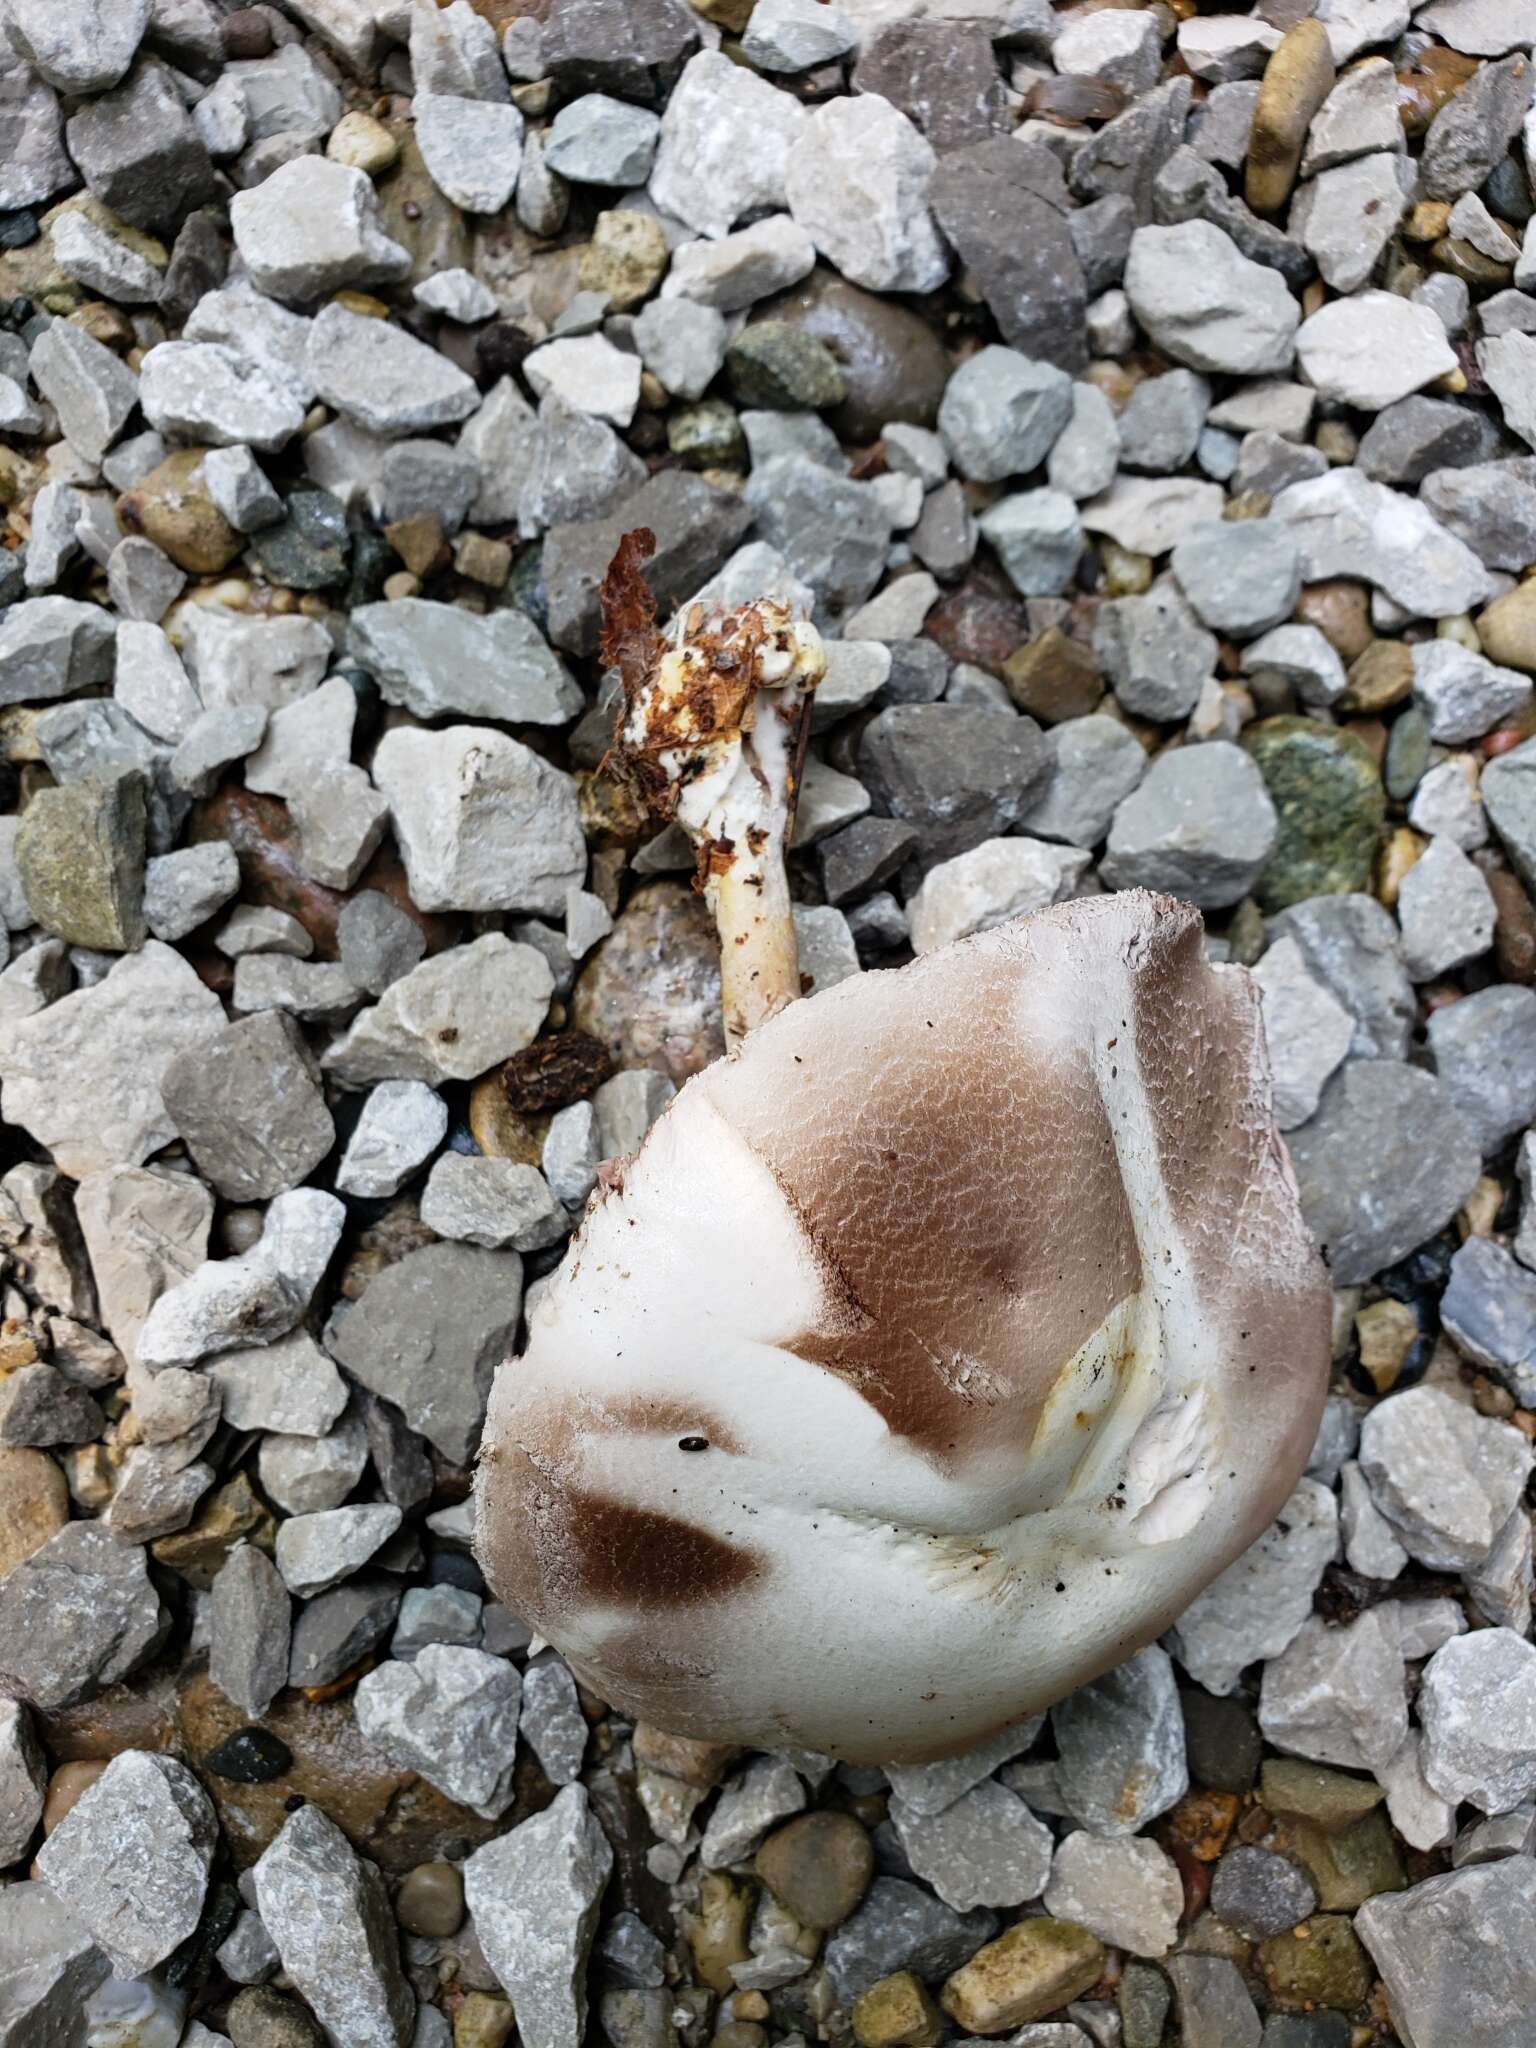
437, 1614
1095, 764
1002, 413
1508, 787
1446, 1478
1464, 695
1259, 1894
458, 295
1083, 459
627, 1105
142, 580
1215, 2010
248, 1652
1257, 1605
333, 1632
957, 775
38, 1406
534, 1896
472, 148
737, 270
1037, 538
381, 378
317, 1551
1147, 514
32, 153
416, 477
438, 658
1489, 505
1500, 1587
1455, 1954
454, 51
1206, 304
797, 35
429, 1333
990, 883
1474, 128
576, 467
144, 1229
401, 1126
727, 138
451, 1018
451, 1715
1386, 1162
832, 532
23, 1781
681, 342
76, 1616
857, 179
259, 1295
598, 140
53, 647
1373, 348
1128, 152
183, 890
311, 989
103, 262
696, 527
289, 1385
1346, 217
1154, 651
38, 1227
157, 1493
49, 1968
752, 1802
1484, 1050
1301, 657
1241, 575
92, 390
309, 1475
1448, 803
1338, 1695
900, 1926
236, 661
1120, 1742
1351, 946
1477, 1704
1200, 825
986, 1849
205, 392
248, 1105
313, 227
377, 941
327, 1911
1446, 910
1308, 1032
1269, 462
247, 1954
139, 153
1127, 1892
146, 1814
572, 1153
1004, 207
491, 1202
1417, 436
1161, 422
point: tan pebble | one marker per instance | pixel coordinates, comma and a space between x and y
34, 1503
482, 559
1489, 1399
627, 258
364, 304
172, 508
898, 2012
401, 584
1341, 611
1297, 79
66, 1785
1387, 1331
1507, 628
1125, 573
697, 1763
1480, 1210
430, 1900
1337, 440
750, 2005
1035, 1968
732, 15
717, 1933
1461, 629
482, 2021
1396, 856
364, 143
1428, 221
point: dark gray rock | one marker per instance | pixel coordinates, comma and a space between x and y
1457, 1954
1101, 234
833, 532
1407, 440
1475, 127
1352, 946
1129, 151
1005, 207
1489, 1311
634, 48
862, 856
1215, 2010
696, 526
335, 1631
77, 1615
39, 1407
49, 1967
1259, 1894
138, 151
250, 1617
956, 774
900, 1926
1484, 1050
428, 1334
1489, 505
1386, 1162
250, 1108
941, 74
1187, 188
377, 941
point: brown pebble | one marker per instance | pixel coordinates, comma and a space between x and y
247, 34
173, 509
1514, 931
1341, 611
898, 2012
1379, 677
431, 1900
34, 1503
260, 2017
66, 1786
1053, 677
1297, 79
818, 1866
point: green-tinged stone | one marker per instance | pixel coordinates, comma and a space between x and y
781, 366
1319, 1963
1408, 746
1327, 792
308, 550
708, 435
373, 559
1245, 933
1313, 1792
525, 590
1350, 1864
1034, 1968
80, 853
1145, 1996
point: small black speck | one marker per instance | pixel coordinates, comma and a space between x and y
693, 1443
1061, 1585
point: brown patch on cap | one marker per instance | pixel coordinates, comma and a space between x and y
958, 1182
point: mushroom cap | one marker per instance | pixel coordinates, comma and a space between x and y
934, 1352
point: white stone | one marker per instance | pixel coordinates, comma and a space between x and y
1126, 1891
1372, 349
588, 374
1307, 1029
472, 148
1206, 304
727, 138
1000, 879
1254, 1610
857, 182
313, 227
739, 269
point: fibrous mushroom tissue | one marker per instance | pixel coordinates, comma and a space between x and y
941, 1342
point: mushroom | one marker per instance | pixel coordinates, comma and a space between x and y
712, 734
929, 1357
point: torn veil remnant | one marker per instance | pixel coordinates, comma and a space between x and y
933, 1352
712, 734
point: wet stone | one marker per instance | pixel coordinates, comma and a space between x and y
1260, 1894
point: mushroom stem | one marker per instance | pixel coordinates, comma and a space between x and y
713, 734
